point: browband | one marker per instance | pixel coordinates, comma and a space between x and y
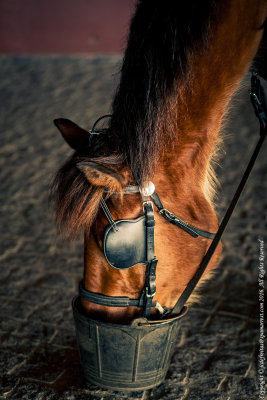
168, 215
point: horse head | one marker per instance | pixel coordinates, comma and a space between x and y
142, 188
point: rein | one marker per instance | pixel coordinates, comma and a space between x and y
145, 226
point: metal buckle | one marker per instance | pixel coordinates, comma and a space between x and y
147, 203
252, 94
151, 294
167, 213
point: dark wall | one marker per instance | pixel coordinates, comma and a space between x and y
64, 26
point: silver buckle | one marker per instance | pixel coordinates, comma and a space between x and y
150, 295
147, 203
168, 214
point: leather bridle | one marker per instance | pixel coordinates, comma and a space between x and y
146, 227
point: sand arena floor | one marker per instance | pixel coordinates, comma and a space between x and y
216, 355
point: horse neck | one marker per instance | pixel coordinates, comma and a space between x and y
197, 110
194, 111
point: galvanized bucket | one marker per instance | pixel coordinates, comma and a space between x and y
125, 357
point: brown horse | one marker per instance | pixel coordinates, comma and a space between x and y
180, 70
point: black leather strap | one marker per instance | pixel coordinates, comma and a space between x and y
107, 213
150, 225
150, 287
150, 283
111, 301
173, 219
258, 100
130, 189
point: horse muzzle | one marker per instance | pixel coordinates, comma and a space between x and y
125, 357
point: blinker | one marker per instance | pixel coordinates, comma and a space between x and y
124, 243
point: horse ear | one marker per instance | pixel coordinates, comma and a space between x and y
76, 137
99, 175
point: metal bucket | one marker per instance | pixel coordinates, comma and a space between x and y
125, 357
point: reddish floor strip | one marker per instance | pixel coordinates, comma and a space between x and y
64, 26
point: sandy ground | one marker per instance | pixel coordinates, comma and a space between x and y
216, 354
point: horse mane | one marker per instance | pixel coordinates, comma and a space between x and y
162, 38
76, 200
